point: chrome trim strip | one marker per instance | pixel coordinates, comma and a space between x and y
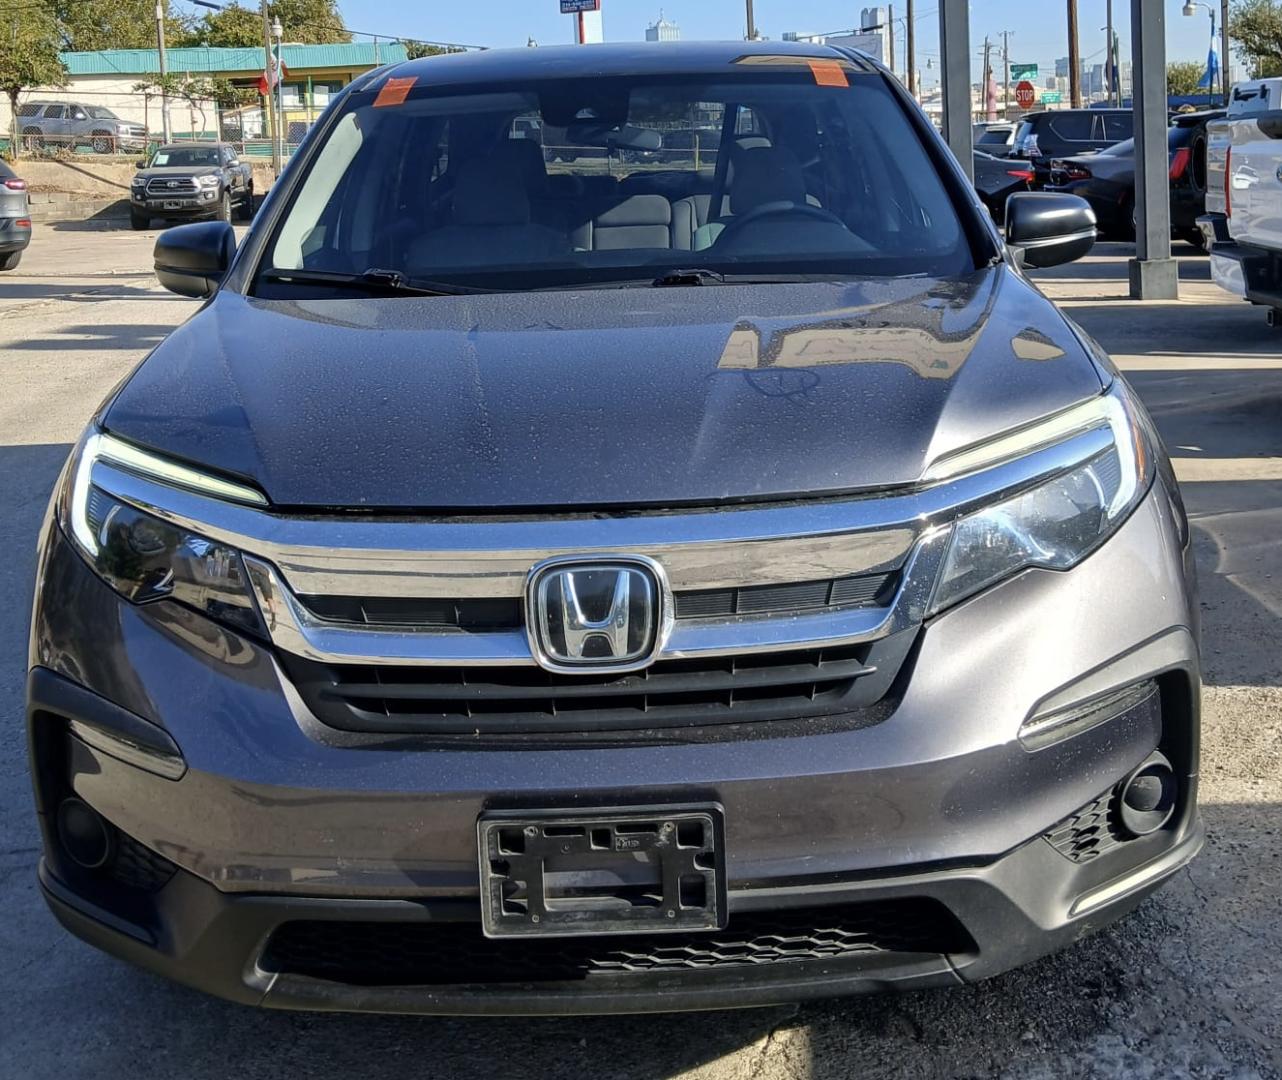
464, 557
297, 630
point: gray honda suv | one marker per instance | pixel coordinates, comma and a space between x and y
617, 584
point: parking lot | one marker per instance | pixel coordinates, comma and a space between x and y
1189, 985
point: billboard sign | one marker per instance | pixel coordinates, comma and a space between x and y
573, 7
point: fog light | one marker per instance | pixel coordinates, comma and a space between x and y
84, 836
1148, 797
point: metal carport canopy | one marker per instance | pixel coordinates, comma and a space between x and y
1153, 273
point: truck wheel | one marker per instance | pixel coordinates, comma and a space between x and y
224, 207
246, 212
102, 142
138, 221
10, 261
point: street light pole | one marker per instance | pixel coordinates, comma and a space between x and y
164, 68
911, 45
278, 33
752, 23
1224, 49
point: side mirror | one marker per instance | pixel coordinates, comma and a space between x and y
1045, 228
140, 164
192, 259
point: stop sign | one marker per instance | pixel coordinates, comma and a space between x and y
1025, 95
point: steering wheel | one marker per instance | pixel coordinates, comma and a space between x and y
759, 213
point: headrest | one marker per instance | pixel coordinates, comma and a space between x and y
764, 175
524, 158
488, 194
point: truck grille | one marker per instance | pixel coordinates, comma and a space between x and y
176, 186
526, 700
444, 953
506, 613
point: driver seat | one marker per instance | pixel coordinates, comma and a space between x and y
764, 177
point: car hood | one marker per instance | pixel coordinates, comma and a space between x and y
602, 397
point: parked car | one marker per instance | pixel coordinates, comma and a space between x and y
997, 178
995, 138
15, 218
73, 125
183, 181
512, 598
1060, 133
1243, 219
1107, 180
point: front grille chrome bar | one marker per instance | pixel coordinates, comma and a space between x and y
373, 556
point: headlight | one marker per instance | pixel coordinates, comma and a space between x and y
1056, 524
146, 559
138, 181
207, 181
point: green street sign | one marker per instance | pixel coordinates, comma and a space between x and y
1023, 71
1051, 97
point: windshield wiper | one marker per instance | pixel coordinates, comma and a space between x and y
675, 278
374, 280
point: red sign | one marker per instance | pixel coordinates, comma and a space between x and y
1025, 95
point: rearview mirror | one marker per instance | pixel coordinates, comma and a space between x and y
1045, 228
191, 260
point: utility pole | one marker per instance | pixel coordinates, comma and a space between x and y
752, 23
911, 56
1224, 50
1006, 74
267, 67
1074, 60
890, 35
1109, 73
164, 69
990, 110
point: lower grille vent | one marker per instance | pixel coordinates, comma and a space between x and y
443, 954
1090, 832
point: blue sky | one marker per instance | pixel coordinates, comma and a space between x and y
1039, 28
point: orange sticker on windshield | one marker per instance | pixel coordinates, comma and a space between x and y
395, 91
827, 73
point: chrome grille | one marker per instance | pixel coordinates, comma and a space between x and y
174, 186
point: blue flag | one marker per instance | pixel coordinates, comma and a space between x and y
1212, 67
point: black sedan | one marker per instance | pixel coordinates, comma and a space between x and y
997, 178
1107, 180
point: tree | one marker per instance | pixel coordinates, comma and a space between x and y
1183, 76
416, 50
29, 44
1257, 27
116, 24
307, 22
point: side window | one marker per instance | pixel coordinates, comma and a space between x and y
1072, 126
54, 112
28, 110
747, 122
1119, 126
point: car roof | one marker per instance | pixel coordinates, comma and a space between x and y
605, 60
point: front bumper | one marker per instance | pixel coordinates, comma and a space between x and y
186, 205
275, 821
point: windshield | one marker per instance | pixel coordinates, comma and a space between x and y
771, 169
97, 112
185, 156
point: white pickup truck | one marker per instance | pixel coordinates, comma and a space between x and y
1242, 225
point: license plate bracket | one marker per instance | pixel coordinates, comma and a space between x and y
173, 204
633, 870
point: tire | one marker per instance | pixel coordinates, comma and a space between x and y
11, 260
102, 142
1124, 228
224, 207
138, 221
246, 209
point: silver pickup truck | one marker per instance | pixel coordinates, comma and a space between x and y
1242, 225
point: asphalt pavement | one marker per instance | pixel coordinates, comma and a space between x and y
1187, 986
